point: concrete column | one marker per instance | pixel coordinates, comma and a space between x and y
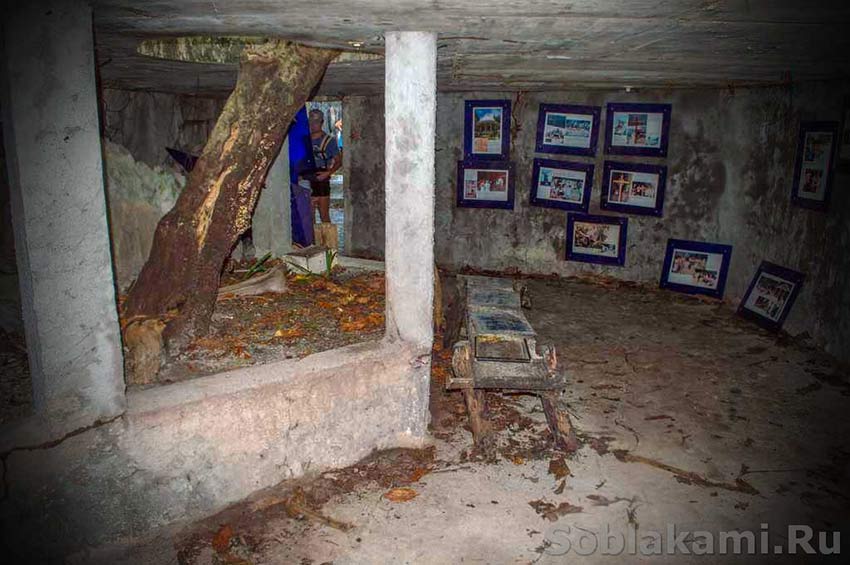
272, 223
52, 143
410, 108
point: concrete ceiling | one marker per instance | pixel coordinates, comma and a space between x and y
499, 44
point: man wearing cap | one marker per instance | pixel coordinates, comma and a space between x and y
327, 158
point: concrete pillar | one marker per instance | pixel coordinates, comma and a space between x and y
272, 223
52, 142
410, 108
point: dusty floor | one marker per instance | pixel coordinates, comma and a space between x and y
689, 417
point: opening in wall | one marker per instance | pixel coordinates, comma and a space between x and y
325, 119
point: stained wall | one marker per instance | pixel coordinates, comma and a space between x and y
730, 167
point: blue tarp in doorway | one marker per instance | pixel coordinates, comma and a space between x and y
300, 159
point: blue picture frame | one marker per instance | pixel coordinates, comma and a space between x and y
467, 197
573, 170
691, 267
616, 198
548, 133
640, 133
604, 256
812, 176
478, 127
771, 295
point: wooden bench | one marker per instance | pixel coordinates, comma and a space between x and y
501, 353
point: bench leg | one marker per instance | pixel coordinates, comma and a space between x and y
559, 421
476, 407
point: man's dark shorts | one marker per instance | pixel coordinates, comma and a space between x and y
319, 188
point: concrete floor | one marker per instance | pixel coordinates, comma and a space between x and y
689, 416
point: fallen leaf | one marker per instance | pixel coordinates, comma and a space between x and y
559, 468
517, 460
290, 333
239, 351
221, 540
551, 512
402, 494
418, 474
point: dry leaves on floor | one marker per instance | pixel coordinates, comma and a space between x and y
401, 494
552, 512
558, 467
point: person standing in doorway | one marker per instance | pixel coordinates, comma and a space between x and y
326, 155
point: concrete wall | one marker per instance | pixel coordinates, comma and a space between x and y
363, 162
730, 167
186, 450
147, 122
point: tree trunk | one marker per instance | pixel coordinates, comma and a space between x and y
193, 240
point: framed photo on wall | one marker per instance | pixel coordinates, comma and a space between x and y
844, 142
487, 130
561, 184
771, 295
596, 239
813, 168
696, 267
637, 129
485, 184
568, 129
633, 188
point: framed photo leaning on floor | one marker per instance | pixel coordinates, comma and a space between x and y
771, 295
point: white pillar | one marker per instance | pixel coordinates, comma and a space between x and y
411, 109
272, 223
52, 141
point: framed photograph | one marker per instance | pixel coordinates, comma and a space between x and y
696, 267
567, 129
637, 129
487, 130
815, 160
485, 184
844, 142
596, 239
771, 295
633, 188
561, 184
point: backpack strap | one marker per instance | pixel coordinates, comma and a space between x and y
324, 145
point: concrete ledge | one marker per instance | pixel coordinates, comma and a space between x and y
189, 449
357, 263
